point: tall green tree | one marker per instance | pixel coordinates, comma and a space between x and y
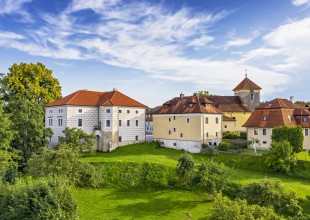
28, 123
33, 82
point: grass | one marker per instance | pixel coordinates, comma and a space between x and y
166, 204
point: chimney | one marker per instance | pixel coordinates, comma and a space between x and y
114, 89
181, 95
292, 99
195, 94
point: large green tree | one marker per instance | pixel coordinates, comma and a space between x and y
33, 82
28, 124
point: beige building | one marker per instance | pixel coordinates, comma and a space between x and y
114, 118
186, 122
278, 112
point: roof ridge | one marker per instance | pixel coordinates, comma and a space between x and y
74, 96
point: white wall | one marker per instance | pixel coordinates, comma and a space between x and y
189, 146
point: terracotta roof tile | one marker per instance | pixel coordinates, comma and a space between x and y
228, 103
93, 98
247, 84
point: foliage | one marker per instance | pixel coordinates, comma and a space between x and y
185, 166
37, 199
28, 124
203, 93
33, 82
64, 163
211, 177
293, 135
157, 144
206, 149
225, 208
271, 193
281, 157
6, 134
224, 146
78, 139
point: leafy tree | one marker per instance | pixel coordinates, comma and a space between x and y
202, 93
281, 157
78, 139
224, 209
269, 193
33, 82
28, 124
185, 166
294, 135
37, 199
64, 163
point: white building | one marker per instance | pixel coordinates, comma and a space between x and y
113, 117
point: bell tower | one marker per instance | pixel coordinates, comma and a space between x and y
249, 93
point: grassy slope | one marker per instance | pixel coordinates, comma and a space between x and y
164, 204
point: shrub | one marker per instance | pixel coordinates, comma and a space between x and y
185, 166
37, 199
271, 193
157, 144
206, 149
281, 157
225, 208
224, 146
293, 135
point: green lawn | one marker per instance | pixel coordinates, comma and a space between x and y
162, 204
165, 204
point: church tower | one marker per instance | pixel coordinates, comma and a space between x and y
249, 93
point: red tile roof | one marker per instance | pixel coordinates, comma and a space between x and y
228, 103
93, 98
279, 112
186, 105
247, 84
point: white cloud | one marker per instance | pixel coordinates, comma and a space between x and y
10, 35
301, 2
14, 7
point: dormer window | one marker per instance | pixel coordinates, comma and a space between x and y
190, 105
305, 119
265, 118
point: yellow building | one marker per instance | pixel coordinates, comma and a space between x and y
187, 122
278, 112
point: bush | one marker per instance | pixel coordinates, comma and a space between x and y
206, 149
157, 144
225, 208
37, 199
293, 135
185, 166
224, 146
234, 135
281, 157
271, 193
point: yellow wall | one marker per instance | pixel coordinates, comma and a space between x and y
195, 130
230, 126
306, 138
241, 118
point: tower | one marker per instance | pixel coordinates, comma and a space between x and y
249, 93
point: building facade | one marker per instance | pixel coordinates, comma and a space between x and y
186, 123
114, 118
278, 112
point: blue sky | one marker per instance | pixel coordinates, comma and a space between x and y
153, 50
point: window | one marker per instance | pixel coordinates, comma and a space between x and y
108, 123
80, 122
128, 122
137, 112
264, 131
225, 126
108, 110
60, 110
137, 138
128, 111
174, 129
306, 132
137, 122
181, 134
50, 111
119, 111
216, 133
207, 134
190, 105
187, 120
234, 118
216, 120
207, 120
255, 131
174, 144
169, 132
169, 119
119, 138
80, 110
305, 119
120, 123
252, 94
173, 117
60, 122
265, 118
264, 142
50, 122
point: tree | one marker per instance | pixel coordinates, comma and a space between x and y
78, 139
281, 157
294, 135
48, 198
28, 124
202, 93
185, 166
33, 82
65, 163
224, 209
